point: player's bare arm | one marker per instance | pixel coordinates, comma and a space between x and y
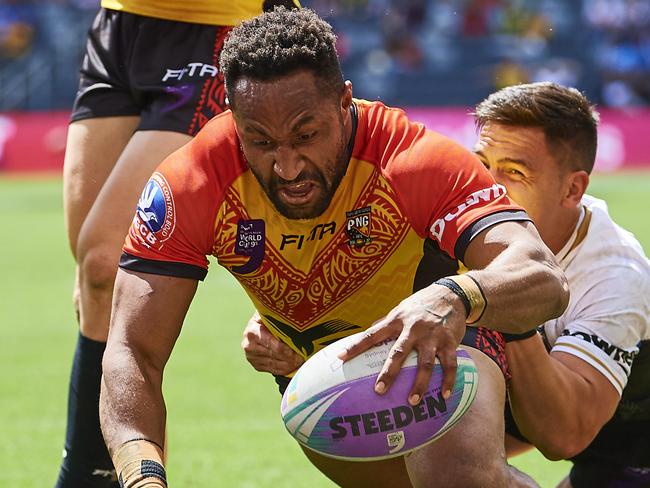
521, 284
148, 311
550, 390
518, 274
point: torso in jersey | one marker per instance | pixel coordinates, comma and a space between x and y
403, 215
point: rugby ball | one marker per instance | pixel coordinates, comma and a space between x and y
331, 406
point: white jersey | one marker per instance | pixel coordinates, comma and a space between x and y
609, 309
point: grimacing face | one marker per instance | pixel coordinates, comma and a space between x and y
519, 159
295, 139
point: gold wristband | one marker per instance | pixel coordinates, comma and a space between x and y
474, 294
139, 464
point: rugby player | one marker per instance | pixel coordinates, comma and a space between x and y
336, 215
539, 141
149, 81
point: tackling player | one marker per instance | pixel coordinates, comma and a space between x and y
334, 214
149, 81
539, 141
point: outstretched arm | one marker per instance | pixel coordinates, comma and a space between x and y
148, 312
522, 286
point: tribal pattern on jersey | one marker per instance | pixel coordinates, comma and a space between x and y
339, 269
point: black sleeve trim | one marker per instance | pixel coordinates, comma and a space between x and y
475, 228
165, 268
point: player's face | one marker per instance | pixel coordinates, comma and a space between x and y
295, 139
520, 160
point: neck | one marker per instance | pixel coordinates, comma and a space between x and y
563, 230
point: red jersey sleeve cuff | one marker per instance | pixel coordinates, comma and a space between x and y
478, 226
165, 268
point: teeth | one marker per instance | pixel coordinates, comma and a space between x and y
297, 188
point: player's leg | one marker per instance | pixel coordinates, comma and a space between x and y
92, 149
390, 473
102, 233
472, 453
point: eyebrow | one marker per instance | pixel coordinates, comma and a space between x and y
504, 160
305, 119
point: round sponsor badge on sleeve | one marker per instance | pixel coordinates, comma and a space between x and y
156, 216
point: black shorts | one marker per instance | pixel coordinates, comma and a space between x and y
619, 456
164, 71
487, 341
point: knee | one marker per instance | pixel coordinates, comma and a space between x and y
97, 268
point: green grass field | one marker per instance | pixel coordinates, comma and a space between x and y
224, 423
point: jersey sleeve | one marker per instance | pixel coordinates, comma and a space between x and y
447, 192
173, 228
607, 322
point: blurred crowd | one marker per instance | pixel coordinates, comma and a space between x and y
407, 52
622, 48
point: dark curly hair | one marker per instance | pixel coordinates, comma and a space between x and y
279, 42
566, 116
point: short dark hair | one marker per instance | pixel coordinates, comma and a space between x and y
278, 43
566, 116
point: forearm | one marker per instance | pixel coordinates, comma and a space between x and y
148, 312
523, 287
131, 401
547, 400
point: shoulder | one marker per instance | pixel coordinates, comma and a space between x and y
399, 145
611, 250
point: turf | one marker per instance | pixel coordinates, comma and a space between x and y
224, 422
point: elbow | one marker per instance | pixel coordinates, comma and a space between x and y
563, 444
560, 451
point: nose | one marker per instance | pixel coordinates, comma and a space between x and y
288, 164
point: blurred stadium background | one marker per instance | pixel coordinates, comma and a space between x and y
435, 58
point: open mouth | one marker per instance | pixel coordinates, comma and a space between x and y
297, 193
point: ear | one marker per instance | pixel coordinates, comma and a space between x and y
346, 97
576, 185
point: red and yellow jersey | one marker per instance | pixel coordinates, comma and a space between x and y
405, 211
211, 12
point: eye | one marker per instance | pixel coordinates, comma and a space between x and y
261, 142
514, 172
307, 136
